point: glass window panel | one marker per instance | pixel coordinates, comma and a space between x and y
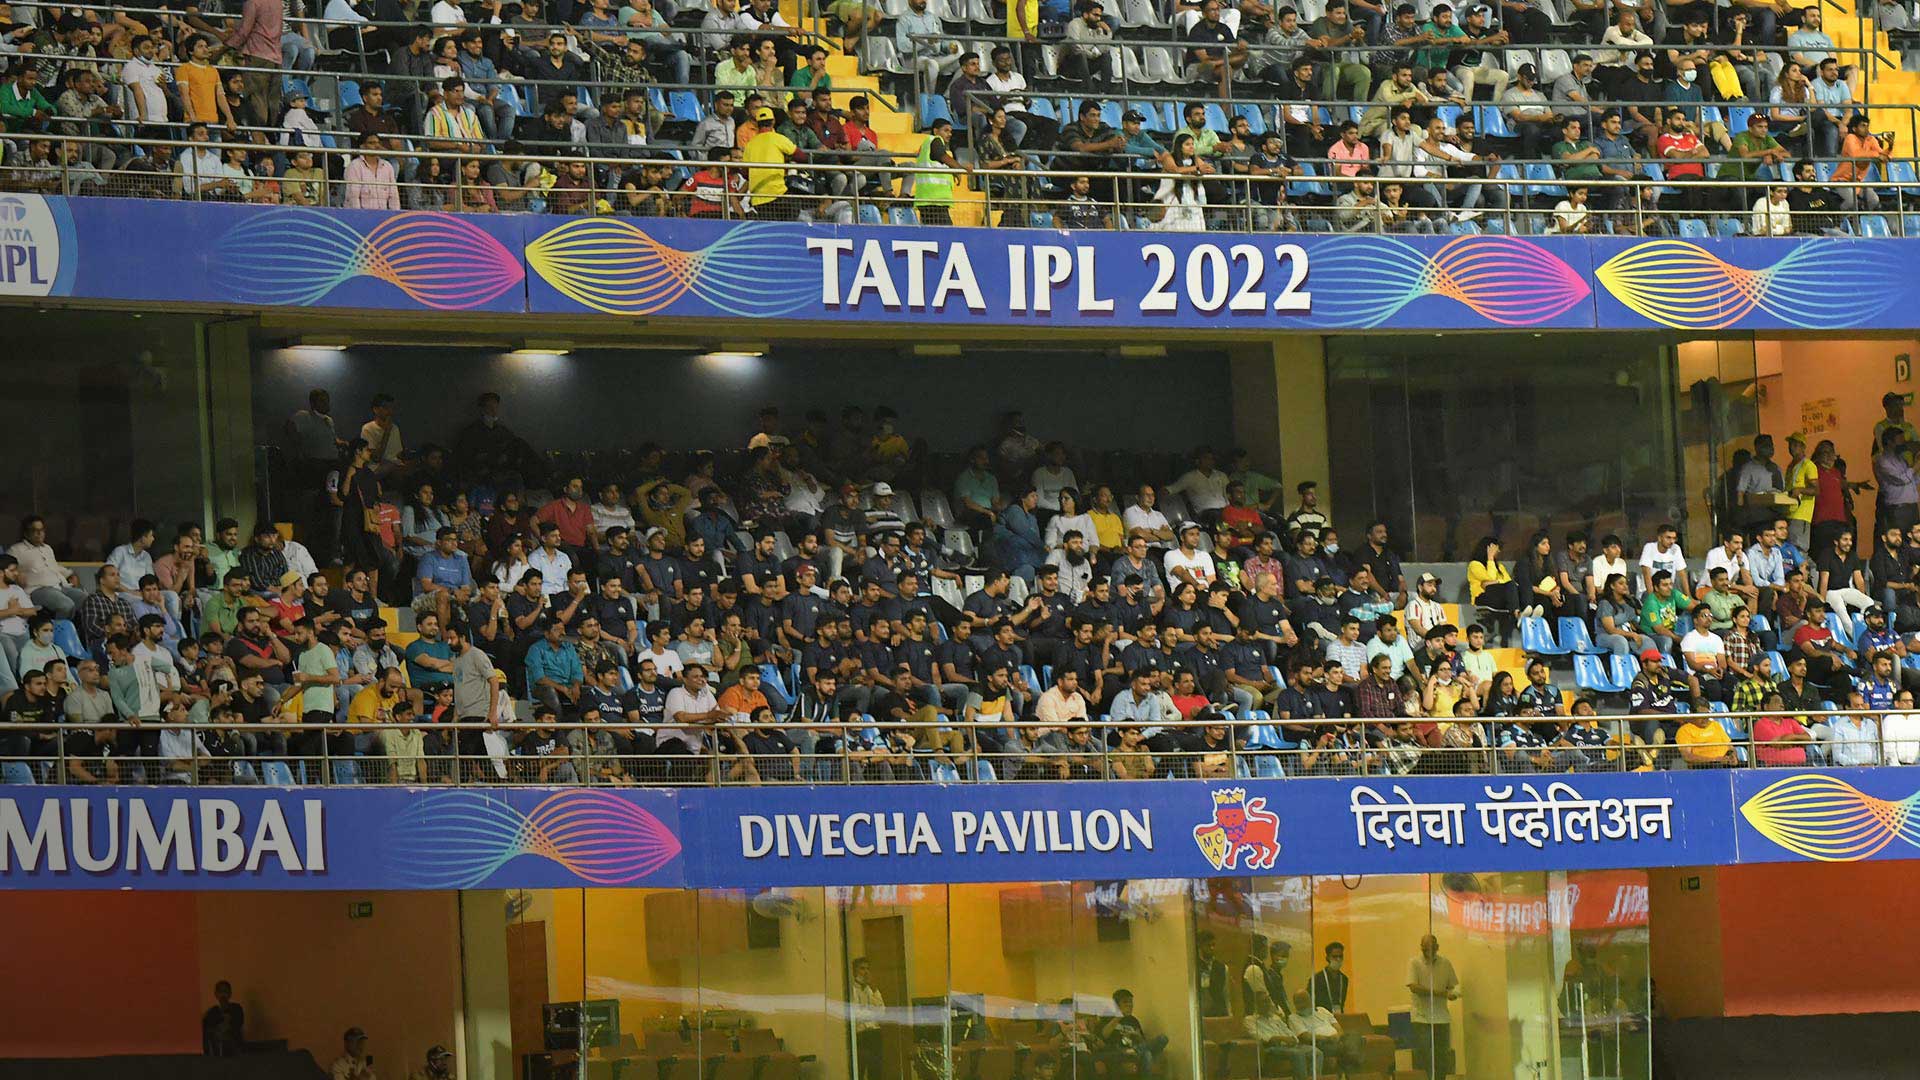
890, 968
1601, 953
1130, 976
1377, 922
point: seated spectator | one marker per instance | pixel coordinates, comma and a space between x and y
1704, 744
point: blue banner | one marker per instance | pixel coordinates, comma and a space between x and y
1833, 815
227, 254
1038, 277
224, 255
442, 838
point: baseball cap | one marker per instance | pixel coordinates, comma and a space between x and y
1650, 654
764, 115
290, 578
438, 1052
354, 1033
1185, 525
1133, 115
883, 489
1424, 578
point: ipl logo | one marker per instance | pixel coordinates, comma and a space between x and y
1239, 824
12, 210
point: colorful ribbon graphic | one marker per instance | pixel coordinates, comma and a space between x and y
614, 266
1826, 818
1364, 281
297, 257
1817, 284
457, 840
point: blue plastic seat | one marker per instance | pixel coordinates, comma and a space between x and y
1590, 673
1573, 636
66, 638
1693, 229
1537, 639
276, 773
1776, 665
1216, 118
934, 107
1624, 668
350, 94
685, 106
868, 214
771, 673
1040, 106
1728, 227
1759, 624
1492, 122
15, 772
902, 215
1110, 114
1875, 225
1256, 119
1543, 176
1448, 114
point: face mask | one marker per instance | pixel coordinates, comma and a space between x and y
1334, 965
1688, 76
1331, 549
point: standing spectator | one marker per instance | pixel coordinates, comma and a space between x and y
370, 179
1899, 498
258, 40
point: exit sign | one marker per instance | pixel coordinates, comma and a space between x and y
360, 909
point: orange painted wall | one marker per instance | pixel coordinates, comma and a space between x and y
302, 969
1859, 959
137, 949
1684, 940
1854, 373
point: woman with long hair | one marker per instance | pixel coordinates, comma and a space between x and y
1489, 584
512, 563
356, 495
421, 520
1182, 196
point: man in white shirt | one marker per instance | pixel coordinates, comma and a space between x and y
1731, 556
52, 587
1900, 731
1188, 562
16, 607
1204, 485
551, 560
1054, 477
1608, 563
1423, 608
356, 1063
1142, 519
1432, 982
690, 708
146, 101
1705, 655
1663, 553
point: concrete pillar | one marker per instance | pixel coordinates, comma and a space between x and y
1280, 409
485, 1046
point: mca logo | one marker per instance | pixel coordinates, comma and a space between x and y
1239, 824
13, 210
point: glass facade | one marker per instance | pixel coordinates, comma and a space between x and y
1471, 975
1448, 440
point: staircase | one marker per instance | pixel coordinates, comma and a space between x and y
893, 120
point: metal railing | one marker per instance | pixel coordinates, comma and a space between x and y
953, 751
1219, 200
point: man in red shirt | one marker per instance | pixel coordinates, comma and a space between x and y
1829, 498
713, 186
574, 517
860, 135
1681, 155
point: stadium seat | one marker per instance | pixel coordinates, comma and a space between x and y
868, 214
1693, 228
15, 772
1590, 673
1624, 669
1537, 639
1573, 635
1875, 225
66, 638
902, 215
1256, 119
685, 106
276, 773
934, 107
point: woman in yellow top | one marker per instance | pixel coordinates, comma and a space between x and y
1489, 584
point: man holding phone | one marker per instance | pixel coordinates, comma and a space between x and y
356, 1063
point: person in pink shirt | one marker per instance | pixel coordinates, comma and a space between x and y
1780, 741
1352, 153
370, 183
257, 39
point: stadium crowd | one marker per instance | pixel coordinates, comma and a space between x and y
1344, 115
1023, 612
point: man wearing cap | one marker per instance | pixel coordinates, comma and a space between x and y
1654, 693
1189, 562
1528, 114
355, 1063
768, 186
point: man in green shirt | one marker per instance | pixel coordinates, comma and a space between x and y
22, 106
1660, 610
222, 609
1753, 149
811, 76
224, 553
737, 71
1440, 26
1578, 157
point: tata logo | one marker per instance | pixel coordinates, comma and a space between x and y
12, 210
1239, 825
